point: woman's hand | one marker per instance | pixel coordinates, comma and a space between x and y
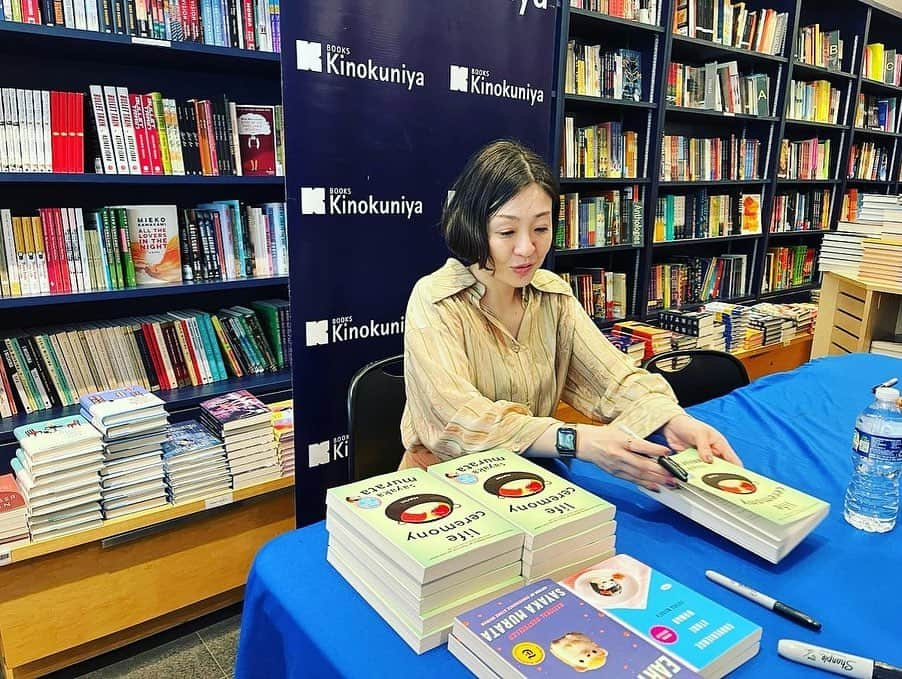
622, 456
684, 431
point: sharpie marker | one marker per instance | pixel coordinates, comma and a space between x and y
768, 602
673, 467
837, 662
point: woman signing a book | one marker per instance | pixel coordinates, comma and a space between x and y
493, 343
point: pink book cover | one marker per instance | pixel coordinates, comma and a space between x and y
256, 140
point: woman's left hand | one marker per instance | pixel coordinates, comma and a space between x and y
684, 431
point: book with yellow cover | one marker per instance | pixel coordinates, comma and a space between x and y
759, 514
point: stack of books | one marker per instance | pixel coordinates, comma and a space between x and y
565, 526
194, 462
133, 423
13, 514
645, 624
697, 324
544, 630
633, 347
283, 433
243, 422
734, 318
754, 339
888, 347
57, 467
656, 340
420, 551
877, 216
880, 260
798, 317
771, 327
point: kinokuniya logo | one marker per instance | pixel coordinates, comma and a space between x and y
337, 60
340, 200
328, 451
538, 4
344, 329
480, 81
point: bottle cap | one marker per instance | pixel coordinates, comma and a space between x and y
887, 394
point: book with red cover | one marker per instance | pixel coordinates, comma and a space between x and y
136, 104
152, 135
256, 140
11, 497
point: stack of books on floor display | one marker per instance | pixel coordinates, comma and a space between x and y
194, 462
565, 526
735, 319
283, 433
645, 624
57, 467
243, 422
633, 347
881, 261
133, 423
876, 216
420, 551
771, 327
13, 515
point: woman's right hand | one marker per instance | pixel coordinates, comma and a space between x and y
616, 453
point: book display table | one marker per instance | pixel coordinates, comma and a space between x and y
302, 619
70, 598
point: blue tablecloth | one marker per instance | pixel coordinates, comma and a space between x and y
301, 619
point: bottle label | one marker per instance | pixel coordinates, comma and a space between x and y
877, 447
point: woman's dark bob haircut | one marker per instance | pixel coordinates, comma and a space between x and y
492, 176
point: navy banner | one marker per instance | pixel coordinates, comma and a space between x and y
384, 101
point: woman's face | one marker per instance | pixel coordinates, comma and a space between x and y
520, 236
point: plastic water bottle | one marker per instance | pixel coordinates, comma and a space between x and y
872, 498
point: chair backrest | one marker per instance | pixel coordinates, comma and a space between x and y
376, 400
698, 375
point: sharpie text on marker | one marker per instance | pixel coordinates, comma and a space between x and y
837, 662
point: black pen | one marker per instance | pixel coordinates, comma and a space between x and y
890, 382
770, 603
670, 465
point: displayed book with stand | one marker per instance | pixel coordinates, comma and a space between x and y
764, 516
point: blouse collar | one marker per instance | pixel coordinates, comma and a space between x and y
454, 277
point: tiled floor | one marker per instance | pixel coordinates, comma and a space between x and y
202, 649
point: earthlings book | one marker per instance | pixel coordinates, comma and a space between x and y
544, 630
710, 639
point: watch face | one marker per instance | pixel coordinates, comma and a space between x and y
566, 439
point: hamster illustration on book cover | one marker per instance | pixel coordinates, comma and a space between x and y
544, 630
662, 610
187, 437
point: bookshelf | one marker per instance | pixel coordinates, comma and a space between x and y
858, 22
60, 58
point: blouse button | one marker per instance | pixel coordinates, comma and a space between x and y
515, 347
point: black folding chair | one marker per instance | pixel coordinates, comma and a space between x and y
698, 375
376, 400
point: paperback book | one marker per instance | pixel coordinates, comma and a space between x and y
759, 514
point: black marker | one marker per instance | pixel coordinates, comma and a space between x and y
837, 662
671, 466
770, 603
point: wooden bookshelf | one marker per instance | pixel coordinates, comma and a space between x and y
859, 21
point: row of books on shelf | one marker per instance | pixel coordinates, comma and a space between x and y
602, 293
616, 74
816, 101
801, 211
732, 24
691, 280
604, 150
550, 578
804, 159
703, 215
611, 218
66, 250
643, 11
140, 134
51, 367
718, 87
820, 48
788, 267
243, 24
120, 455
877, 113
149, 134
881, 64
869, 160
688, 159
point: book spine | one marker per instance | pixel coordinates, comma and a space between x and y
105, 138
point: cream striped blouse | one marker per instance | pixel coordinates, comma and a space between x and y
471, 386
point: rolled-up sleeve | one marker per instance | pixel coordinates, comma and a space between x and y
445, 411
602, 383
